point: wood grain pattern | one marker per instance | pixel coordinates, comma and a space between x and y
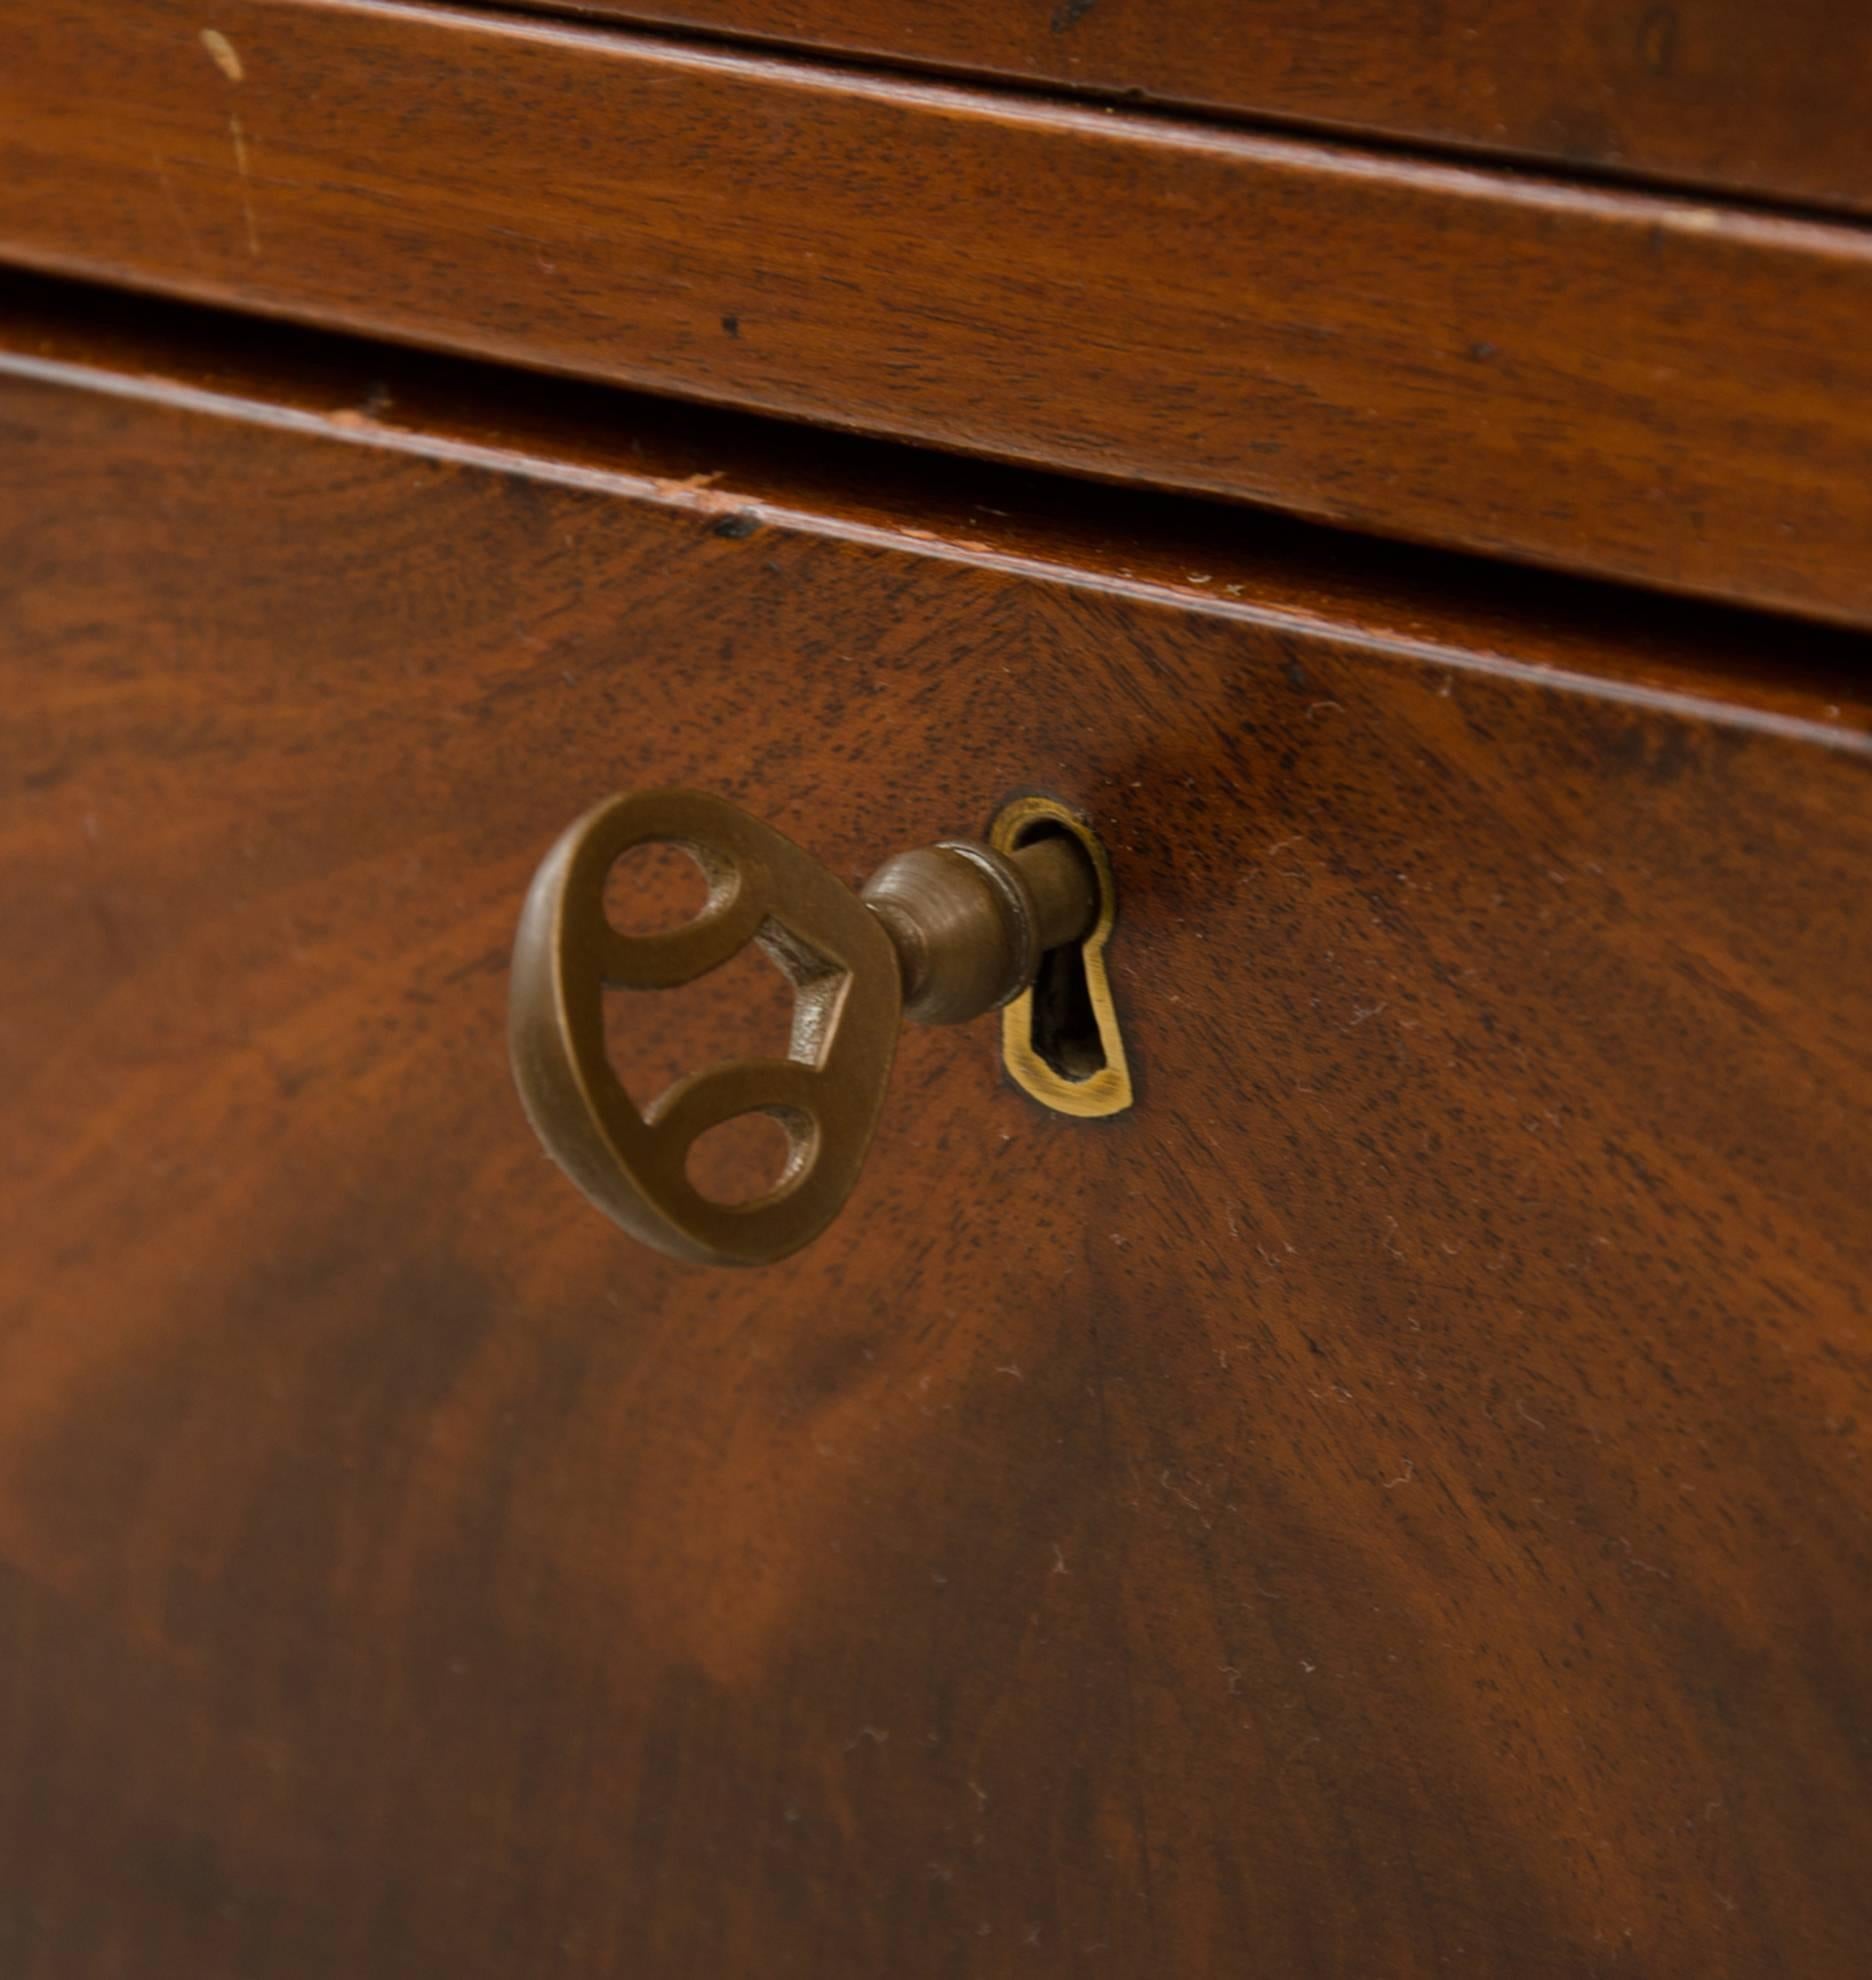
1638, 387
1754, 96
1394, 1502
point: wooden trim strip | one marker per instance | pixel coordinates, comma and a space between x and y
1761, 97
1635, 386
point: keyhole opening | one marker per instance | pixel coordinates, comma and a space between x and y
1064, 1024
1065, 1032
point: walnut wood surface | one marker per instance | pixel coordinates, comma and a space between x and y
1635, 386
1756, 96
1395, 1502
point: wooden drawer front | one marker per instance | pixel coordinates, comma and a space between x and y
1394, 1500
1763, 96
1619, 383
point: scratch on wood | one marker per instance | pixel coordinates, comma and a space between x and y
223, 51
246, 191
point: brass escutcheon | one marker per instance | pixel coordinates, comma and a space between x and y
1078, 1066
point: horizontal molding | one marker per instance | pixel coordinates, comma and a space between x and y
1636, 386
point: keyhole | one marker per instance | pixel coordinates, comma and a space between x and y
1065, 1026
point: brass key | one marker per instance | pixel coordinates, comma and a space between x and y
941, 935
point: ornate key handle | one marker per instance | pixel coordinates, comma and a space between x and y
941, 934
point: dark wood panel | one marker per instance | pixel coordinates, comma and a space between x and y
1756, 96
1394, 1502
1644, 388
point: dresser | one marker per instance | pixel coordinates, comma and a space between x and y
1325, 1436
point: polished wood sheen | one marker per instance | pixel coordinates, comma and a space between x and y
1393, 1502
1753, 96
1642, 387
